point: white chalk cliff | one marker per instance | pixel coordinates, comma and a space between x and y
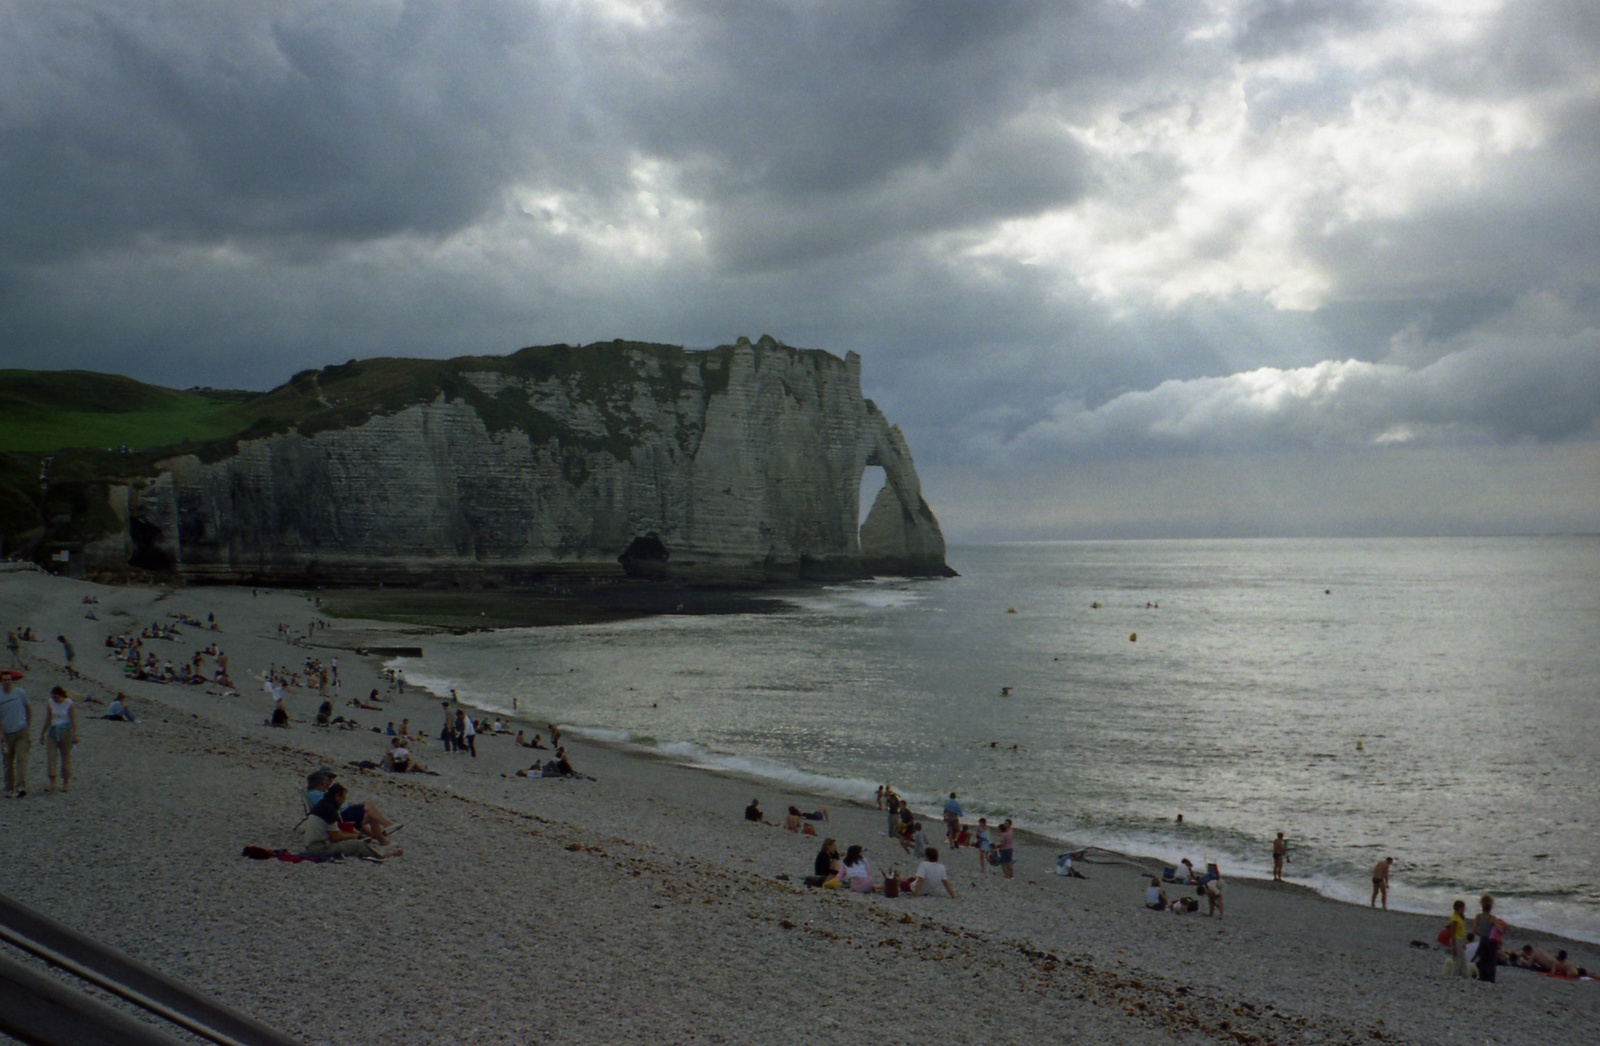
742, 461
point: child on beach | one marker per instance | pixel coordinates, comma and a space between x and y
983, 846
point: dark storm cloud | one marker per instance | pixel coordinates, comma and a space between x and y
1057, 232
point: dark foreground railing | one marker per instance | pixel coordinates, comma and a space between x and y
42, 1011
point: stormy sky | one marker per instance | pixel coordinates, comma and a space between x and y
1118, 268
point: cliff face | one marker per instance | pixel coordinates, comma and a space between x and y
738, 462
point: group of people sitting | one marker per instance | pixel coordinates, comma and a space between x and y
335, 826
1155, 898
1207, 885
852, 871
560, 766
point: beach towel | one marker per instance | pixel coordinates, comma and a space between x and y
261, 853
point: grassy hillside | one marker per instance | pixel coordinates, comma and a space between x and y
43, 411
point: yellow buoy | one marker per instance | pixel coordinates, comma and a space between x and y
1133, 637
1360, 747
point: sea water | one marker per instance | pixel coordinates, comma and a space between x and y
1437, 700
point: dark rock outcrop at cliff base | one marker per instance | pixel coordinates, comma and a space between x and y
733, 464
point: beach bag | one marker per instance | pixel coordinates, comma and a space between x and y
891, 886
1444, 936
808, 830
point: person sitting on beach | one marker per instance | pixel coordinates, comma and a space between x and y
280, 716
119, 710
563, 764
1189, 876
324, 713
400, 761
857, 874
1155, 898
1563, 967
537, 742
324, 837
931, 871
827, 865
753, 813
1065, 866
330, 805
391, 731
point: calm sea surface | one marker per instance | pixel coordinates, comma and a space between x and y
1434, 699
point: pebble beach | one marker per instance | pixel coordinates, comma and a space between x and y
639, 906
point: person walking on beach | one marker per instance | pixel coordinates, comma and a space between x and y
983, 846
1380, 882
1280, 853
1491, 931
1007, 847
16, 719
69, 654
60, 734
952, 819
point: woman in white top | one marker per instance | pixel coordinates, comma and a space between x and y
60, 734
931, 871
856, 873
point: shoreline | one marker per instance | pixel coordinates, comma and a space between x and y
610, 872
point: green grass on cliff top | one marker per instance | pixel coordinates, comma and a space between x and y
42, 411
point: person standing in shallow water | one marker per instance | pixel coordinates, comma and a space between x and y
1380, 882
1280, 851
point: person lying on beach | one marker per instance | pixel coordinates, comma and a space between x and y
931, 871
856, 873
1566, 968
324, 837
753, 813
795, 817
1184, 906
1534, 958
